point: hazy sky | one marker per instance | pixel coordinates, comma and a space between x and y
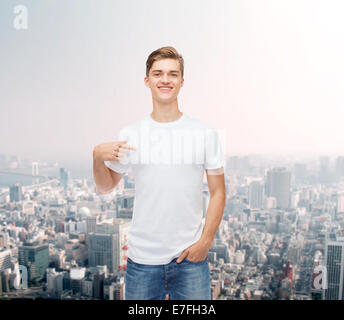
269, 73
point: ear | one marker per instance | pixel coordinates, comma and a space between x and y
182, 82
146, 82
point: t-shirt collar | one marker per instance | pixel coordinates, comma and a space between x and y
166, 124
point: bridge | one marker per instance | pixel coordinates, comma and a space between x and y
25, 174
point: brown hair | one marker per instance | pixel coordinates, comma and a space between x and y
164, 53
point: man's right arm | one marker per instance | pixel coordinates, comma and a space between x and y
105, 178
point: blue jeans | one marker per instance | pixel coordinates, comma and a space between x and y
186, 280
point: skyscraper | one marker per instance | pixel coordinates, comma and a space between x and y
300, 173
64, 177
54, 282
102, 250
125, 205
334, 261
5, 259
324, 170
16, 193
5, 280
340, 167
91, 224
256, 194
3, 240
278, 186
98, 285
36, 258
108, 244
340, 202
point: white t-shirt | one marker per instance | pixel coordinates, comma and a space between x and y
168, 167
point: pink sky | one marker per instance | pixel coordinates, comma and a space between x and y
267, 73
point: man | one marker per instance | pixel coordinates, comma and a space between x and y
167, 152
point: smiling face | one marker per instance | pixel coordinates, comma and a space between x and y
165, 80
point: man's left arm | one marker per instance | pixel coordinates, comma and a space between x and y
217, 189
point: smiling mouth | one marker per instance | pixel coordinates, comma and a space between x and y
165, 89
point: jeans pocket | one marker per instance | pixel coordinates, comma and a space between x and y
129, 260
186, 259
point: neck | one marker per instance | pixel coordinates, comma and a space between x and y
165, 112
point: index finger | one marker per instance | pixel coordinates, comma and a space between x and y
127, 146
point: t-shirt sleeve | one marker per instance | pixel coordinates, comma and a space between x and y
105, 195
123, 165
214, 155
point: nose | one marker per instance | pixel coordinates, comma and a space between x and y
164, 78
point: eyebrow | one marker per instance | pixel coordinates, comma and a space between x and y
169, 71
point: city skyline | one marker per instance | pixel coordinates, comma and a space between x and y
272, 243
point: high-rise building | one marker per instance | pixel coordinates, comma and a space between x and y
66, 280
125, 204
3, 160
127, 183
334, 261
122, 228
108, 282
256, 195
324, 170
294, 199
108, 244
98, 285
87, 287
278, 182
340, 166
285, 288
102, 250
64, 178
269, 203
3, 240
300, 173
36, 258
5, 279
5, 259
340, 203
91, 224
287, 272
77, 276
54, 282
16, 193
116, 290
